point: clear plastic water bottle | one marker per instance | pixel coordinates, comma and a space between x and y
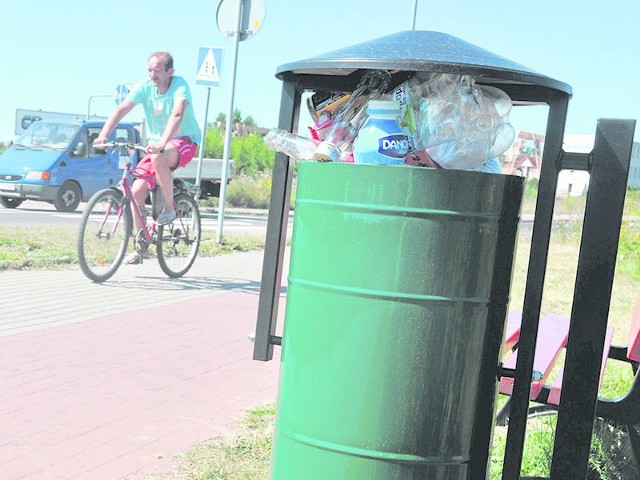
381, 139
295, 146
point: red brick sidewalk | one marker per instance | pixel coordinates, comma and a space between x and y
118, 397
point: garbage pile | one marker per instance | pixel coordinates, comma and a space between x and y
436, 120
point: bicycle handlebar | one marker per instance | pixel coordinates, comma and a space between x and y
135, 146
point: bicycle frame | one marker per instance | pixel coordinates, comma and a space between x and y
125, 185
100, 252
139, 219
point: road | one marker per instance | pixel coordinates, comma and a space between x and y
32, 213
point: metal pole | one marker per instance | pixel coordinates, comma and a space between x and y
204, 136
227, 132
98, 95
413, 20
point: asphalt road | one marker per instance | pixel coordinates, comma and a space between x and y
32, 213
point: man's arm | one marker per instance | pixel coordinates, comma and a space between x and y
118, 114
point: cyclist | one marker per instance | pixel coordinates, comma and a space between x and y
172, 129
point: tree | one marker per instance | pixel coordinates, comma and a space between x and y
249, 152
213, 144
251, 155
237, 116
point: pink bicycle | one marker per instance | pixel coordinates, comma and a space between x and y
107, 223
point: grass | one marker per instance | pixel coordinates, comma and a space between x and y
244, 455
29, 248
50, 247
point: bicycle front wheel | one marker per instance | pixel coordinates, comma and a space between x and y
179, 241
103, 236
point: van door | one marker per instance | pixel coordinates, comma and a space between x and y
89, 167
96, 169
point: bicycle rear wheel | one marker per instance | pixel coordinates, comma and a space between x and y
179, 241
103, 235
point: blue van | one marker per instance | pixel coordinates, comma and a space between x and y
54, 161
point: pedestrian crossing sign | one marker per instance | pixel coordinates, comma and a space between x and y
209, 64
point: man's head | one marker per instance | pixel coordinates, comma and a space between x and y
160, 67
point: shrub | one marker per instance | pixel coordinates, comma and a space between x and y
249, 152
246, 191
251, 155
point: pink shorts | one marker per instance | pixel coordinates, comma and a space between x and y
186, 151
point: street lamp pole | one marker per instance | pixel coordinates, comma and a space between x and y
413, 19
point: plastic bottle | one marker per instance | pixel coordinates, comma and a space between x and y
351, 116
295, 146
460, 124
381, 139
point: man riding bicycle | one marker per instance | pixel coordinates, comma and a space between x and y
172, 129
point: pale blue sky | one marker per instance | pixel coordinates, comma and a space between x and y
56, 55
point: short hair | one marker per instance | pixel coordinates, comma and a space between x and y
168, 59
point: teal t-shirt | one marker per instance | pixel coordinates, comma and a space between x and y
158, 108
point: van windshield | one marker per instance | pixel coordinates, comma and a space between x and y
45, 135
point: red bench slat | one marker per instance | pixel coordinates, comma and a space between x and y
556, 388
633, 349
553, 332
512, 334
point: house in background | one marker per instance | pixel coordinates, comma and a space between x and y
574, 183
524, 157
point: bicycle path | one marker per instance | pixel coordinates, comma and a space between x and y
113, 380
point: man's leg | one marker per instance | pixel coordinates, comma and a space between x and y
164, 163
140, 190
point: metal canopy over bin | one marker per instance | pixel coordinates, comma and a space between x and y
405, 53
413, 51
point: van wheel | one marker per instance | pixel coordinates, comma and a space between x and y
68, 197
8, 202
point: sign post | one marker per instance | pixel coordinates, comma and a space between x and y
240, 20
209, 65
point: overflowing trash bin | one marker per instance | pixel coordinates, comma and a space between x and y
401, 257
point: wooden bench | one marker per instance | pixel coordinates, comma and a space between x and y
553, 333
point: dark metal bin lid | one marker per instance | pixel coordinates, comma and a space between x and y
413, 51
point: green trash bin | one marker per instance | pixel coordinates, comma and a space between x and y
396, 304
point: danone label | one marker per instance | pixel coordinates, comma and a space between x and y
394, 146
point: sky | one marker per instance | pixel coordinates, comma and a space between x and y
67, 56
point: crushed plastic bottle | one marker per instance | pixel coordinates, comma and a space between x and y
458, 123
295, 146
338, 142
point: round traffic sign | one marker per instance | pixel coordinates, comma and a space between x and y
121, 92
253, 12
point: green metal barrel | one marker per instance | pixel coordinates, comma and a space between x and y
396, 304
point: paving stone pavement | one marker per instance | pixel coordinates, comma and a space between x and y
114, 380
